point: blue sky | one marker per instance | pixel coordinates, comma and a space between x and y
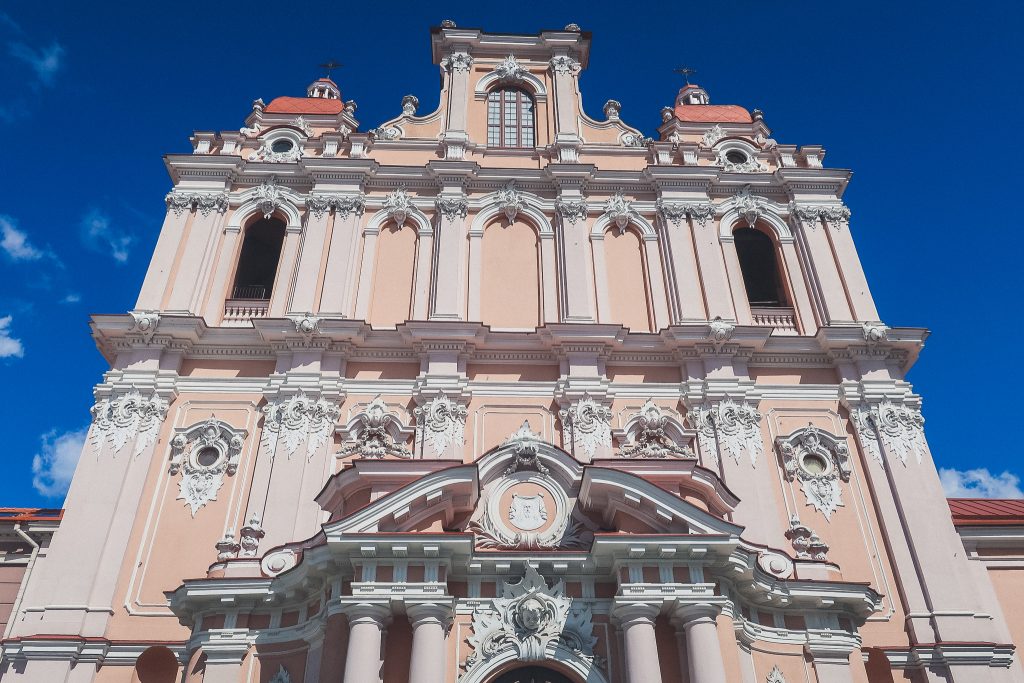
920, 99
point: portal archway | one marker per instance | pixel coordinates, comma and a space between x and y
532, 674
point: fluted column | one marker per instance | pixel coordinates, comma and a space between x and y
366, 624
427, 663
637, 624
703, 649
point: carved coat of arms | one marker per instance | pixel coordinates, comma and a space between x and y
528, 512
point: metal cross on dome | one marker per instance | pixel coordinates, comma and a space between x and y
685, 72
330, 66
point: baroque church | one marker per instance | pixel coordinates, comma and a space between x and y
502, 393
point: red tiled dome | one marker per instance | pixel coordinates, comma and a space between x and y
304, 105
713, 113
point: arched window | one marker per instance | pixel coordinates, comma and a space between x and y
760, 268
510, 119
257, 265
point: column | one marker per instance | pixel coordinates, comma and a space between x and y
167, 244
831, 660
448, 280
717, 292
427, 663
703, 649
821, 266
637, 624
311, 256
366, 624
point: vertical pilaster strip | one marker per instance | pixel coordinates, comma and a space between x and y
311, 254
341, 257
284, 282
158, 275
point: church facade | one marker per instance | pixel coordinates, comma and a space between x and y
503, 393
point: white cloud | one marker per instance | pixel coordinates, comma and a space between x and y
45, 61
979, 483
9, 346
15, 243
71, 298
54, 465
101, 235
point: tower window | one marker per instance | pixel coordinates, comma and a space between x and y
282, 146
756, 253
510, 119
734, 156
257, 265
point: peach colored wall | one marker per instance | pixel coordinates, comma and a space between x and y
627, 287
510, 278
398, 650
1009, 585
391, 297
10, 581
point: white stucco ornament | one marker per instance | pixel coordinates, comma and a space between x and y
509, 69
619, 210
269, 197
144, 324
510, 201
398, 206
588, 424
775, 676
677, 212
749, 206
298, 419
897, 427
736, 427
443, 423
375, 434
282, 676
528, 512
650, 439
203, 453
573, 210
819, 461
533, 621
131, 415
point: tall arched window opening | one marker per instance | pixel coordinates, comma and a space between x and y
257, 264
510, 119
510, 276
760, 268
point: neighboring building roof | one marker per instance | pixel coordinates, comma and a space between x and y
713, 113
987, 511
304, 105
30, 515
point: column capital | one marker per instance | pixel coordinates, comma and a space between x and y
635, 613
439, 613
685, 615
367, 613
831, 647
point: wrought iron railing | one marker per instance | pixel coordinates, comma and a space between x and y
253, 292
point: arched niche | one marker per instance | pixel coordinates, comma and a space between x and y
510, 281
382, 228
394, 274
629, 274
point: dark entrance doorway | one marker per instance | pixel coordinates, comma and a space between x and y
532, 674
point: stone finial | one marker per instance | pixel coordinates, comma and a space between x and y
574, 28
612, 109
410, 103
448, 23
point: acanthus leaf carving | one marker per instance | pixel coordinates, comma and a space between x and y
775, 676
298, 419
525, 453
269, 197
701, 212
819, 461
457, 61
750, 206
398, 206
342, 205
899, 427
563, 64
282, 676
180, 201
713, 135
651, 439
532, 620
203, 454
374, 434
443, 422
835, 216
635, 139
510, 70
588, 425
573, 210
510, 201
452, 207
118, 419
750, 163
736, 427
620, 210
144, 323
267, 154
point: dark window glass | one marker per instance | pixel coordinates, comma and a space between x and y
760, 268
257, 265
510, 119
280, 146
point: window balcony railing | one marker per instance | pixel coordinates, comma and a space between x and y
782, 319
239, 312
253, 292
